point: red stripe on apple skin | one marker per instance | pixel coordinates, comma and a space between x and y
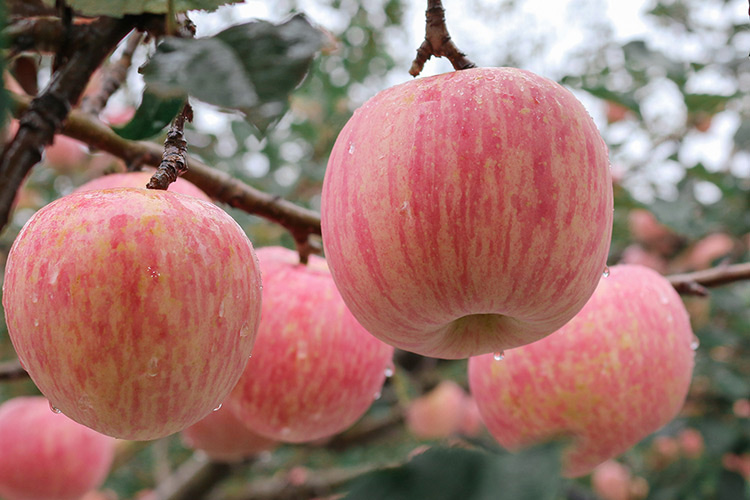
126, 307
618, 371
481, 191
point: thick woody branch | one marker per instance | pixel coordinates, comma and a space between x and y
301, 222
46, 113
437, 42
696, 283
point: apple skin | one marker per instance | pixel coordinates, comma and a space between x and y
467, 212
614, 374
139, 180
133, 310
224, 438
47, 456
315, 370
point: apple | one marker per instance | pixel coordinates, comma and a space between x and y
224, 438
315, 370
611, 481
47, 456
614, 374
467, 212
133, 310
66, 154
139, 180
445, 411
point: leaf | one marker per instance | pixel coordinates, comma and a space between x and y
251, 67
119, 8
706, 103
151, 117
625, 100
452, 473
742, 136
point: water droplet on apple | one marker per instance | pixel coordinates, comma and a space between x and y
36, 322
54, 273
153, 272
695, 343
218, 407
389, 370
351, 148
221, 308
245, 329
606, 272
34, 299
499, 356
54, 408
377, 395
153, 367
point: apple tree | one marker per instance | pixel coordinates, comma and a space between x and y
262, 250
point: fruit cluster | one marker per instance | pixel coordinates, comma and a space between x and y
463, 215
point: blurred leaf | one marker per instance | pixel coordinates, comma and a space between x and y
732, 486
626, 100
251, 67
119, 8
452, 473
742, 136
706, 103
151, 117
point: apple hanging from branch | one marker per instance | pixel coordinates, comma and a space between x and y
468, 212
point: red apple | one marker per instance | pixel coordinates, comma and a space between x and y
616, 373
439, 413
223, 437
314, 370
133, 310
47, 456
611, 481
467, 212
66, 154
139, 180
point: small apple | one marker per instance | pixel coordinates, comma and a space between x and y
46, 456
614, 374
468, 212
133, 310
445, 411
224, 438
139, 180
611, 481
314, 370
66, 154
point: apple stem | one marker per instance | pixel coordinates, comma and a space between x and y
174, 160
437, 42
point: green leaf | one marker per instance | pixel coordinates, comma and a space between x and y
625, 100
119, 8
151, 117
251, 67
706, 103
456, 473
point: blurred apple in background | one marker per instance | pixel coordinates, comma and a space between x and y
614, 374
47, 456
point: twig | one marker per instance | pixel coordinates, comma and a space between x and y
696, 283
174, 160
112, 75
193, 479
437, 42
47, 112
215, 183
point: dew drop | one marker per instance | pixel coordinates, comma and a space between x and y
245, 329
351, 148
218, 407
221, 308
36, 322
377, 395
499, 356
695, 343
153, 367
34, 299
153, 272
54, 408
605, 273
389, 370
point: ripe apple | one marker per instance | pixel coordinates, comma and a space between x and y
225, 438
133, 310
66, 154
611, 481
614, 374
467, 212
139, 180
445, 411
314, 370
47, 456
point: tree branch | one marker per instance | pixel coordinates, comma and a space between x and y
46, 113
437, 42
301, 222
12, 370
696, 283
174, 160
